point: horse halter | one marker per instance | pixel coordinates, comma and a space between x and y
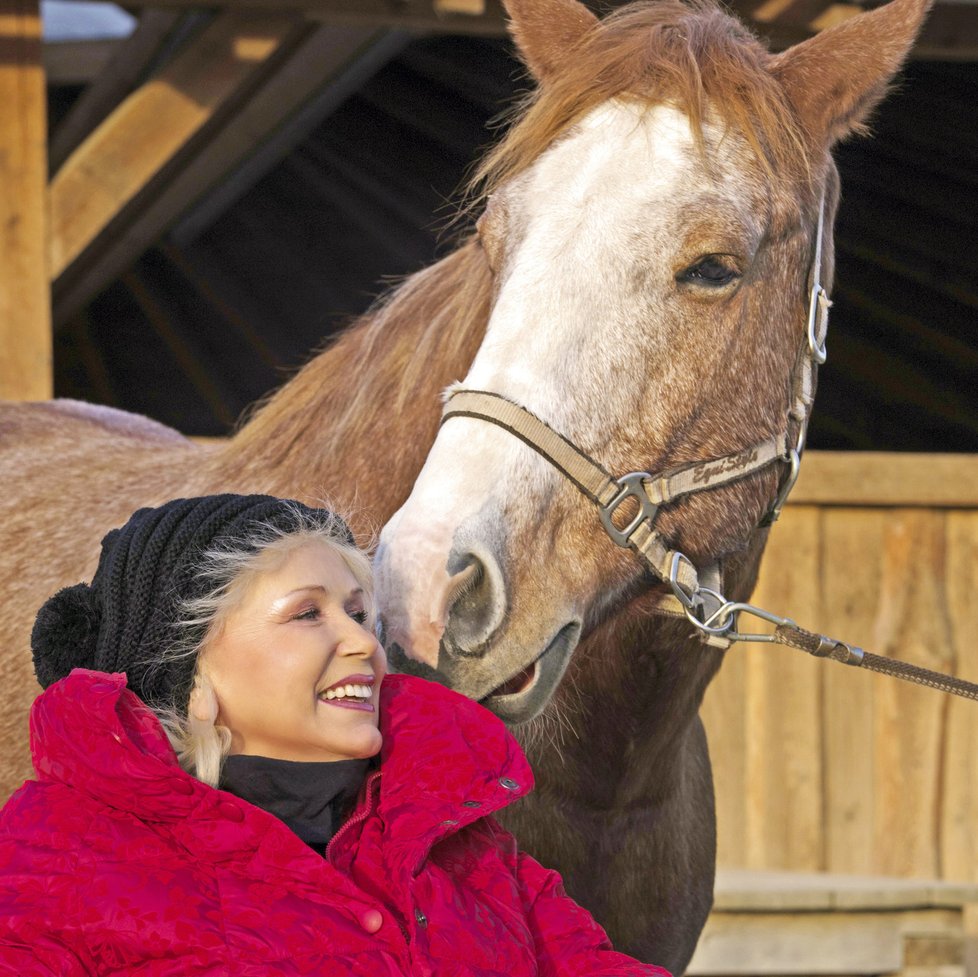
697, 591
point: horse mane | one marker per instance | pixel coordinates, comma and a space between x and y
689, 53
415, 339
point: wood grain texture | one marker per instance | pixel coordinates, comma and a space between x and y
25, 317
148, 131
841, 770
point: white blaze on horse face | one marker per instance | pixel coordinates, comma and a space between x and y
586, 262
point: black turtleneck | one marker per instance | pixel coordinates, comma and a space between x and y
311, 798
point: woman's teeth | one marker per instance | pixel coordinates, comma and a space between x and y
347, 692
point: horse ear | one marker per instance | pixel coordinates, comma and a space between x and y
544, 31
835, 78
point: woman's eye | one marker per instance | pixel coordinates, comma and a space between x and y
715, 271
360, 616
309, 614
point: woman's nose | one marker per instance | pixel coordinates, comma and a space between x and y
357, 641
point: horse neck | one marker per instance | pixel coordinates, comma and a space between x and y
354, 425
627, 711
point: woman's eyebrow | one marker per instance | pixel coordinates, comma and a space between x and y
356, 592
299, 590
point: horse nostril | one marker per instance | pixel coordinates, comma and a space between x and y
474, 605
462, 583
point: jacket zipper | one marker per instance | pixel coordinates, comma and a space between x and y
358, 817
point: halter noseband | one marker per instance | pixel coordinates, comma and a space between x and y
652, 491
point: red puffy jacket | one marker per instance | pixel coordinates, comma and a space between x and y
115, 861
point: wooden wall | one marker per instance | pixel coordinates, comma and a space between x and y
823, 767
25, 323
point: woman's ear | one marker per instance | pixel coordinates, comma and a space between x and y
203, 702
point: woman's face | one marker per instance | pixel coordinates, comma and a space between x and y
293, 660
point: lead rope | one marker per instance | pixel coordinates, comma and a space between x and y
724, 624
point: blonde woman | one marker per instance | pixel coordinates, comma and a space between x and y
228, 782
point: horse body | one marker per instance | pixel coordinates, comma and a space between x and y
639, 281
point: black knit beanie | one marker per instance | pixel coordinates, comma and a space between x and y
128, 615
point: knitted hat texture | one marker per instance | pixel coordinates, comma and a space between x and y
128, 616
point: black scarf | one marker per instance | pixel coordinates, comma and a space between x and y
310, 798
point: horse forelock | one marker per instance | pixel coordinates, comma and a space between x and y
687, 53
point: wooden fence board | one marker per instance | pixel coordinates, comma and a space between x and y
827, 768
959, 801
25, 317
785, 691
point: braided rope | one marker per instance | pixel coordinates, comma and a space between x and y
821, 647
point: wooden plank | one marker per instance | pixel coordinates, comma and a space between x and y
25, 317
129, 64
872, 478
784, 700
148, 132
316, 70
911, 623
813, 943
958, 810
950, 33
784, 923
479, 17
851, 538
328, 67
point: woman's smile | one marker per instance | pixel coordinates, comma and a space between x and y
353, 692
296, 672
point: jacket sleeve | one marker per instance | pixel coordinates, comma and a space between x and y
569, 941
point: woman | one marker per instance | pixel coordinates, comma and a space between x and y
282, 806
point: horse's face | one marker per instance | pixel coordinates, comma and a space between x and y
649, 304
629, 270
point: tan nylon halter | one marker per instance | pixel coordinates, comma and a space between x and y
699, 595
651, 491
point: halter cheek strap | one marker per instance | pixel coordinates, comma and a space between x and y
695, 591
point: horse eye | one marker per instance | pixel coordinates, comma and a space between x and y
715, 270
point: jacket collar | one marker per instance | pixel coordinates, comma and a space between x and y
444, 757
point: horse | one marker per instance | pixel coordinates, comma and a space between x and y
638, 280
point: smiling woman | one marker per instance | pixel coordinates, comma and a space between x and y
255, 793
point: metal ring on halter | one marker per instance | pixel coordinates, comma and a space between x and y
690, 601
630, 486
794, 461
819, 353
707, 626
731, 611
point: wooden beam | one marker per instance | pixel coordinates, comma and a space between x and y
320, 68
25, 316
77, 62
323, 72
93, 196
877, 478
950, 32
441, 16
129, 64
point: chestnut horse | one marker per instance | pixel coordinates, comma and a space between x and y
639, 281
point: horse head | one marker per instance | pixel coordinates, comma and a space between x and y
650, 222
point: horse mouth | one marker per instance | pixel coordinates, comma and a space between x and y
525, 695
519, 683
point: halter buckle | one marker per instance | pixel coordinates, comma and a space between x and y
631, 486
